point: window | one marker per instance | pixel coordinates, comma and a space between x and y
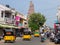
7, 14
13, 17
2, 14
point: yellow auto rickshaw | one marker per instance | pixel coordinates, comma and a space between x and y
36, 33
9, 35
26, 35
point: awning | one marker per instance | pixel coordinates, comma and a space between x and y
7, 26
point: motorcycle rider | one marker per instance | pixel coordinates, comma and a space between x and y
42, 37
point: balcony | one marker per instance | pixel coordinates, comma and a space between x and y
20, 24
8, 20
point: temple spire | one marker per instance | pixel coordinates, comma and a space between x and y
31, 8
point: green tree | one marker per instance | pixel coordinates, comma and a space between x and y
36, 20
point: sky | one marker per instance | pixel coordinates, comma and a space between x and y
47, 7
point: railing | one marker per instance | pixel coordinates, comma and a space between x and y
9, 21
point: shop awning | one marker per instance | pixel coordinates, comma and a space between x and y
7, 26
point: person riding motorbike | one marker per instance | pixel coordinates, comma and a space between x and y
42, 37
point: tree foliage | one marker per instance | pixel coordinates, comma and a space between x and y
36, 20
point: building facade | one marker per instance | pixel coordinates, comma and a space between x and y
7, 15
31, 9
58, 14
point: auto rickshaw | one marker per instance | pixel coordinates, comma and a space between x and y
27, 35
9, 35
36, 33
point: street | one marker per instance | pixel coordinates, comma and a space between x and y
34, 41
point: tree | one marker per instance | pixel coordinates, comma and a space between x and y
36, 20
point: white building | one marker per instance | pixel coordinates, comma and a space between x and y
58, 14
7, 14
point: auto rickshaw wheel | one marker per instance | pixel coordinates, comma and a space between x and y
13, 41
36, 36
29, 39
56, 42
6, 41
23, 39
26, 39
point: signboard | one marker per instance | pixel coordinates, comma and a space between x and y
57, 24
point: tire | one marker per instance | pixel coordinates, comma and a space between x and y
42, 40
5, 41
56, 42
23, 39
50, 40
29, 39
13, 41
0, 38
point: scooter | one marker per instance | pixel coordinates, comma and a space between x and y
42, 39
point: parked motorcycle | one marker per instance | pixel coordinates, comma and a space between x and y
52, 37
57, 38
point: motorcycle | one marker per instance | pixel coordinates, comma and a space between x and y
42, 37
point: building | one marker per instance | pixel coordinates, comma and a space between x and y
58, 14
7, 14
31, 9
19, 20
9, 17
20, 23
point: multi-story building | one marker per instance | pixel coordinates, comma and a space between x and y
8, 17
58, 14
19, 20
20, 23
7, 14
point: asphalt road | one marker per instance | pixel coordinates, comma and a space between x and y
34, 41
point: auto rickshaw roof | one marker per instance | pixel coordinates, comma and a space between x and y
8, 30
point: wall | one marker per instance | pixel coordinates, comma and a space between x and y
1, 19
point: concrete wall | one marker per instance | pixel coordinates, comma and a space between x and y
4, 8
1, 19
